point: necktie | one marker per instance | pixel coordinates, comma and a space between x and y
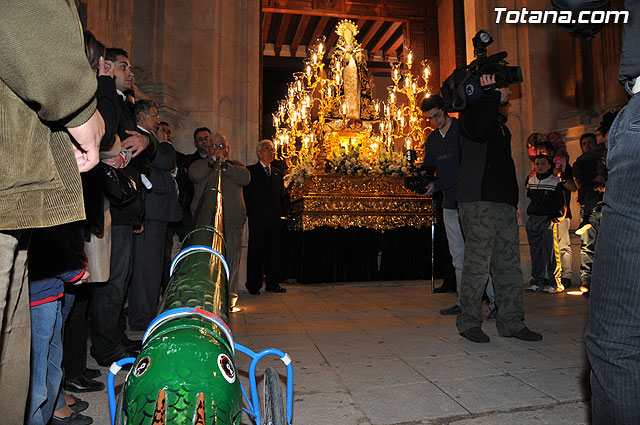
267, 171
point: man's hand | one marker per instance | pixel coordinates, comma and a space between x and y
105, 67
487, 81
87, 137
431, 187
135, 143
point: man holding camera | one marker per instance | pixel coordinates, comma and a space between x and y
487, 203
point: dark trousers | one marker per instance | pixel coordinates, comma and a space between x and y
107, 300
263, 253
540, 235
74, 339
146, 274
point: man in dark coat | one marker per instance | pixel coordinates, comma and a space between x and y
265, 200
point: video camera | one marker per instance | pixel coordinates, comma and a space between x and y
463, 85
420, 180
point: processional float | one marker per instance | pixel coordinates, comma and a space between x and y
186, 372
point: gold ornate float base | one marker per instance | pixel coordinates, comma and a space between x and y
374, 201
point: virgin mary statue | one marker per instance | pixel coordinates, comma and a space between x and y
349, 59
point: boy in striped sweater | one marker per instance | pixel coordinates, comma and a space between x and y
546, 207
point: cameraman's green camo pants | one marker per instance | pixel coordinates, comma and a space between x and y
491, 244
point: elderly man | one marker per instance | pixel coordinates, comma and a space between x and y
266, 200
234, 177
161, 207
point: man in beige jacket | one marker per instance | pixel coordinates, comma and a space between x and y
46, 94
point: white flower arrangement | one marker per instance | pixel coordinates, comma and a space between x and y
299, 172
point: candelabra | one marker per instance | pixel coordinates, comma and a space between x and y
403, 120
298, 133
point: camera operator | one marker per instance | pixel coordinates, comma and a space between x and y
487, 202
442, 151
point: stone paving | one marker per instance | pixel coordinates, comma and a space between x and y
380, 353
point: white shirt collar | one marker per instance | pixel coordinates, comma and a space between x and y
265, 165
121, 94
144, 130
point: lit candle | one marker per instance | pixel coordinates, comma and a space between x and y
409, 58
320, 48
344, 108
315, 58
408, 143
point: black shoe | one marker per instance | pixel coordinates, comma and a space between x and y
134, 345
82, 385
74, 419
278, 289
493, 314
108, 362
443, 289
91, 373
78, 405
451, 310
475, 335
566, 282
526, 334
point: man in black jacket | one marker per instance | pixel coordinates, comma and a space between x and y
161, 207
487, 202
264, 198
109, 342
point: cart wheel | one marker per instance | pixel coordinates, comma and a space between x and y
118, 419
273, 411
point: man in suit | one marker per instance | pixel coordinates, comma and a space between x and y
161, 207
234, 177
108, 340
265, 199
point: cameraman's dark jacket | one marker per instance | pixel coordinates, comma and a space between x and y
487, 171
547, 197
444, 154
586, 168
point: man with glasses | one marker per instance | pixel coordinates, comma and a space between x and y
234, 177
442, 150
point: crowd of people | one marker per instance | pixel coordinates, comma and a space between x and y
93, 249
99, 243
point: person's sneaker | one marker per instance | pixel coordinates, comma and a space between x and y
526, 334
550, 289
583, 228
451, 310
585, 287
566, 282
493, 314
475, 335
534, 288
